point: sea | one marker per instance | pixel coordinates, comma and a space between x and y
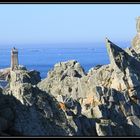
43, 57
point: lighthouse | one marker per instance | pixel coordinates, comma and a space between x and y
14, 59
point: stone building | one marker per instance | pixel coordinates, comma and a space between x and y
14, 59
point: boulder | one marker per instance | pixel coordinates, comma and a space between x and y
63, 79
24, 76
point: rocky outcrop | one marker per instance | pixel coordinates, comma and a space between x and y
109, 94
24, 76
63, 79
69, 102
35, 112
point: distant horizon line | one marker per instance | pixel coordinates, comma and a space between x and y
53, 43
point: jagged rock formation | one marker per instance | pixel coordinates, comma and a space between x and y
35, 112
63, 79
69, 102
107, 94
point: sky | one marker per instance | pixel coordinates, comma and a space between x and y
67, 23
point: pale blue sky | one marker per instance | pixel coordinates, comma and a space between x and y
67, 23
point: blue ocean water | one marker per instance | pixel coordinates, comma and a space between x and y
44, 57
